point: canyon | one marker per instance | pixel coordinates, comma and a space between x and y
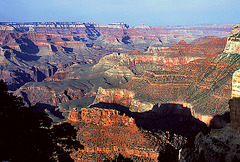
130, 91
33, 52
209, 82
220, 144
106, 133
204, 85
112, 70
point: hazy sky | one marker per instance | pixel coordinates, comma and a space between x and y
133, 12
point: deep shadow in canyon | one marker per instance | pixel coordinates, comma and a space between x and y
167, 117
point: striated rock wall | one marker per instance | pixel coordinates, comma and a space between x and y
233, 42
235, 99
236, 84
205, 39
122, 97
232, 46
220, 144
74, 116
118, 96
197, 83
105, 117
50, 95
202, 49
104, 132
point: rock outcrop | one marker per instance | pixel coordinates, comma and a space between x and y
74, 116
54, 93
205, 39
233, 44
235, 100
122, 97
220, 144
56, 44
33, 56
105, 134
105, 117
202, 49
105, 131
118, 96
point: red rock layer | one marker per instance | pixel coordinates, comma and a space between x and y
118, 96
194, 84
205, 39
74, 116
104, 132
205, 49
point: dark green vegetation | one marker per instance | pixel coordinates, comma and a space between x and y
27, 135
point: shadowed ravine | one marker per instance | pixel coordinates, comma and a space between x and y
168, 117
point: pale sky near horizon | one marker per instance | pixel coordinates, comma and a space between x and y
133, 12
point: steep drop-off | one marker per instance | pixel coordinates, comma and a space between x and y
204, 85
105, 133
33, 56
220, 144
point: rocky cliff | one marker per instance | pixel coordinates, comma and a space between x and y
206, 47
120, 68
54, 45
220, 144
233, 44
203, 84
33, 56
105, 134
112, 70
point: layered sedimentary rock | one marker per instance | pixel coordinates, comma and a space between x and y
220, 144
233, 44
119, 68
205, 39
205, 84
105, 134
118, 96
202, 49
105, 117
74, 116
197, 79
235, 84
54, 93
57, 44
122, 97
235, 100
33, 56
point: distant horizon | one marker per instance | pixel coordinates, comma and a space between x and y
134, 12
113, 22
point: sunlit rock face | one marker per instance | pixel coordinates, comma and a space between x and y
235, 99
233, 43
236, 84
106, 133
118, 96
74, 116
220, 144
